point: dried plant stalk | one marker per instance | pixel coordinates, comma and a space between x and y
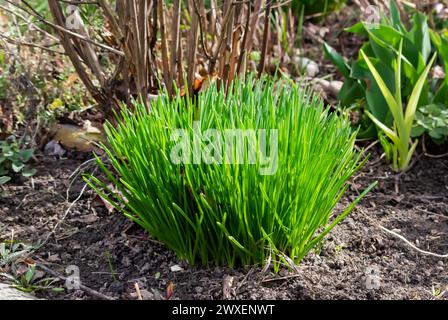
149, 43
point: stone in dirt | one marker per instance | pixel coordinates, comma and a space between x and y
9, 293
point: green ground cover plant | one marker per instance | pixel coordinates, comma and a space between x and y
13, 160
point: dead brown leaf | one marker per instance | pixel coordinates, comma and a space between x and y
169, 290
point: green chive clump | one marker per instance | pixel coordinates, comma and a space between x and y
181, 173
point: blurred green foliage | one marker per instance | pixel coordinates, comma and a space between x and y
317, 6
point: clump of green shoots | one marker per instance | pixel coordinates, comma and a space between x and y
212, 210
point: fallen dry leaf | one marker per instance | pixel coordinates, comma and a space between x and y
176, 268
169, 290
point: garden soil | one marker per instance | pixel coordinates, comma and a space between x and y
358, 260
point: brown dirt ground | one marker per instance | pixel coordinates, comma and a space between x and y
113, 254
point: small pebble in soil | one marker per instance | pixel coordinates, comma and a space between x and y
198, 290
